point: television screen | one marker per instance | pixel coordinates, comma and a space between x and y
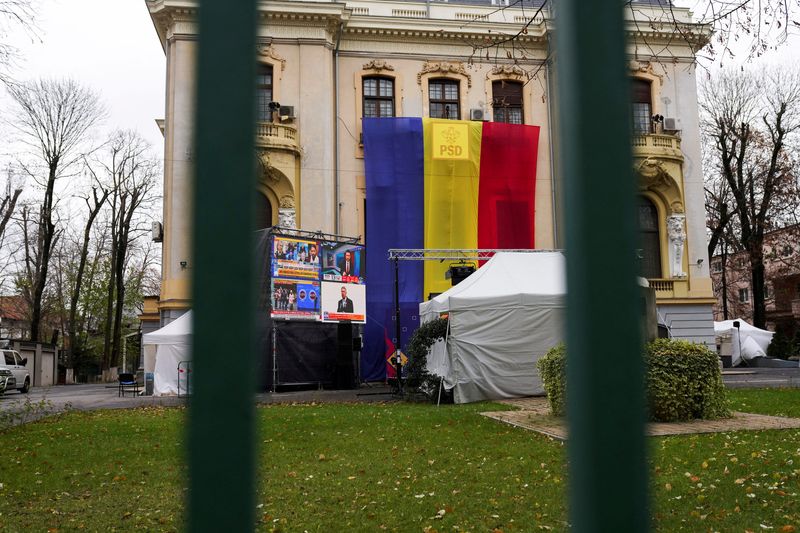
295, 258
293, 298
344, 262
344, 301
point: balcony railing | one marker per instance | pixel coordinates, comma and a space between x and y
670, 288
656, 145
276, 135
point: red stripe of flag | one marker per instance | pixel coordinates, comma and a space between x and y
507, 187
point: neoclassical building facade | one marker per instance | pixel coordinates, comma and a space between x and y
325, 65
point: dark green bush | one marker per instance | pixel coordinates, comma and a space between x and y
553, 371
781, 346
683, 381
417, 377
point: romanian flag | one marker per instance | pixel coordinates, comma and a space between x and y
435, 183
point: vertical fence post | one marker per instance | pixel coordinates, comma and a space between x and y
221, 438
605, 394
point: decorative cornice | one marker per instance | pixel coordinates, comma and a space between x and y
377, 65
445, 68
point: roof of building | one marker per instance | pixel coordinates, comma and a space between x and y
13, 308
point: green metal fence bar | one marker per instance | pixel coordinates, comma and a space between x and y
605, 393
221, 437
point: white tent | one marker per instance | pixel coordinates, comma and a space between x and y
747, 342
164, 350
503, 318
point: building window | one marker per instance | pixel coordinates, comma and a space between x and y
649, 239
507, 101
641, 108
716, 266
744, 295
263, 92
378, 97
787, 250
443, 99
768, 291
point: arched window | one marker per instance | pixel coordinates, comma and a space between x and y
641, 107
378, 94
507, 101
649, 239
264, 92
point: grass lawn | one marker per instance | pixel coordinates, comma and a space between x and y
393, 467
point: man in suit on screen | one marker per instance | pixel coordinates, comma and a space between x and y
345, 304
346, 266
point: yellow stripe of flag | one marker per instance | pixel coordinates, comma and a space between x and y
452, 168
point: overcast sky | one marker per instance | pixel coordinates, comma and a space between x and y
111, 46
108, 45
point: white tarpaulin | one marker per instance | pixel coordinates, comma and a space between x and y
503, 318
173, 345
747, 342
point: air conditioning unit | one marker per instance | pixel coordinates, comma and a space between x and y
672, 124
286, 112
157, 231
477, 114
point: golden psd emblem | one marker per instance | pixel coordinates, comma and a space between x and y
450, 141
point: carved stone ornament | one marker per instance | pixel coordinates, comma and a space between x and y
287, 202
378, 65
267, 51
286, 218
677, 208
444, 68
508, 70
266, 169
644, 67
653, 174
677, 238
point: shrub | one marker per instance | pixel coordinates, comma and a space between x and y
553, 371
683, 381
796, 344
418, 378
780, 347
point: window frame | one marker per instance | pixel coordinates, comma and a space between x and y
520, 105
377, 98
638, 125
264, 67
444, 82
744, 295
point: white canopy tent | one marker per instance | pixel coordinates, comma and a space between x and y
747, 342
164, 350
503, 318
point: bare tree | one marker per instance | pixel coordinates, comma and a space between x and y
94, 205
53, 118
131, 173
19, 14
8, 203
749, 119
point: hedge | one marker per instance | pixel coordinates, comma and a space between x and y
417, 377
683, 381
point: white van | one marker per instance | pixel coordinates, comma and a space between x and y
20, 377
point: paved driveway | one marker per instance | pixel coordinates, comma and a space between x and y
104, 396
82, 397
